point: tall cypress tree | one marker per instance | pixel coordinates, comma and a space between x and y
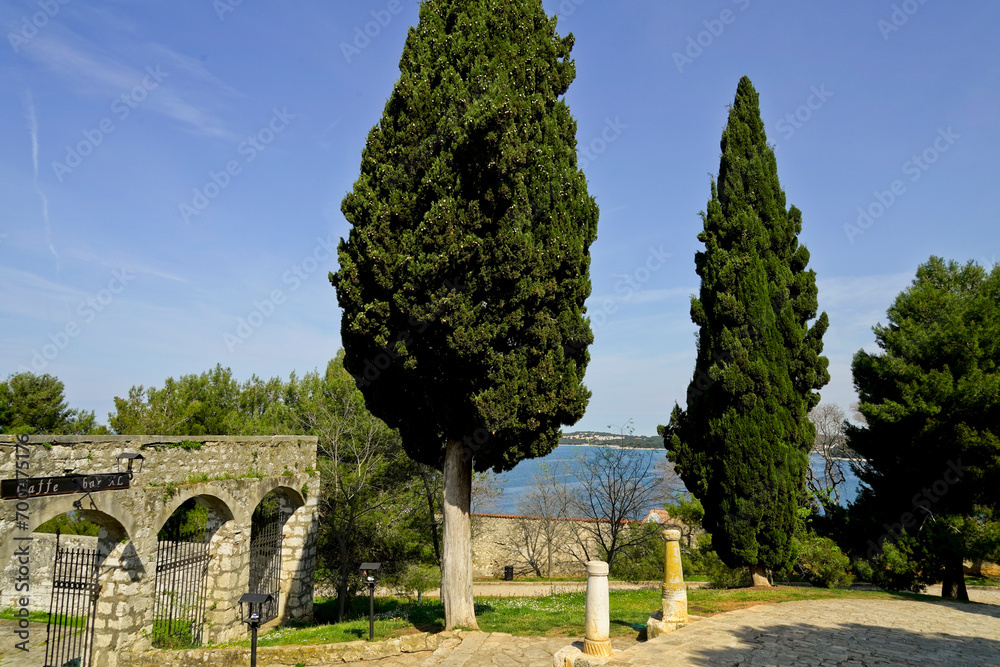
741, 445
464, 276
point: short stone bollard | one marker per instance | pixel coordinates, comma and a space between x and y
597, 623
674, 613
597, 615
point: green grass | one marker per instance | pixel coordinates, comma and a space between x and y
43, 617
982, 581
550, 615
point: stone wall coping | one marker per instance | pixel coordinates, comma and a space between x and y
309, 654
156, 439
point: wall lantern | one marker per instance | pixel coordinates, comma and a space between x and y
131, 458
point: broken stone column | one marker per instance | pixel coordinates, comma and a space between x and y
674, 614
597, 623
597, 615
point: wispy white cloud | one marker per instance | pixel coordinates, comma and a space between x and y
32, 119
93, 70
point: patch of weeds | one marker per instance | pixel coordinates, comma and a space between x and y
305, 491
46, 445
169, 491
197, 478
189, 445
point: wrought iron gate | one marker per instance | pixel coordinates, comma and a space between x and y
179, 600
265, 559
70, 630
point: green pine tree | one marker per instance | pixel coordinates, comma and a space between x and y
464, 276
931, 442
741, 446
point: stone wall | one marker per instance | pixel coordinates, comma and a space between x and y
43, 553
499, 540
228, 475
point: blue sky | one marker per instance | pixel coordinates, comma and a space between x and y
169, 170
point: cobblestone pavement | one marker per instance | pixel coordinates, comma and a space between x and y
833, 632
813, 633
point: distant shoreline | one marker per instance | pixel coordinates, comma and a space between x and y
652, 449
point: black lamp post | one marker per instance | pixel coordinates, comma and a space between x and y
368, 571
251, 605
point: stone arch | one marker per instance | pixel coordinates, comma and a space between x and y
291, 497
118, 522
193, 570
271, 538
218, 500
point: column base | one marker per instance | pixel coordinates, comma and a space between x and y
656, 626
600, 648
572, 656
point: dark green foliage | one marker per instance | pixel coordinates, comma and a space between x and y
931, 399
821, 562
69, 524
642, 558
464, 276
212, 403
188, 523
742, 444
35, 404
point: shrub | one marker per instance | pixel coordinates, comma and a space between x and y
895, 570
822, 563
721, 575
419, 578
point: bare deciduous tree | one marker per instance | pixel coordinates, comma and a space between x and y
618, 486
827, 483
542, 526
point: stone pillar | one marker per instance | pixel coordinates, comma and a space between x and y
675, 600
674, 614
597, 617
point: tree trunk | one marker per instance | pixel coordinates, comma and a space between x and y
548, 552
759, 575
342, 579
433, 514
953, 585
456, 556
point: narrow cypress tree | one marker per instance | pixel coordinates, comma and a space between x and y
464, 276
741, 446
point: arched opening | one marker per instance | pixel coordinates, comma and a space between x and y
267, 523
183, 555
72, 557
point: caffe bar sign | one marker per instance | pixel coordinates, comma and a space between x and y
37, 487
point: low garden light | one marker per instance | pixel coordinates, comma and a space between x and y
251, 607
368, 572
